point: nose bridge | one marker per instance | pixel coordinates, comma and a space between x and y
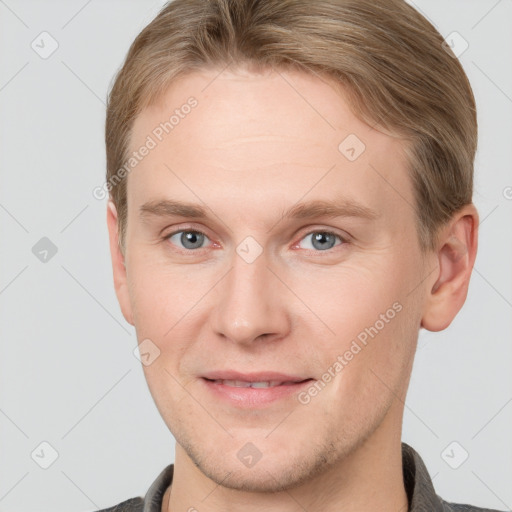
247, 301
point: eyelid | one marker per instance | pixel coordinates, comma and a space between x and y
323, 229
185, 227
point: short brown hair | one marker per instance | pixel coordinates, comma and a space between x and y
390, 59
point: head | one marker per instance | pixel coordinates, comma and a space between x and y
290, 191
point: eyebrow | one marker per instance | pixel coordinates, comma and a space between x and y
311, 209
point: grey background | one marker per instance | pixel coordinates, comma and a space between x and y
68, 375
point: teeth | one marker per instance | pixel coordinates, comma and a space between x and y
269, 384
243, 384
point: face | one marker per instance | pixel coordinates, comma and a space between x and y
271, 237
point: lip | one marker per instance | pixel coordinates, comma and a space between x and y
253, 397
253, 376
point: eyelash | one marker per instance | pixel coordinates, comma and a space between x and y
342, 239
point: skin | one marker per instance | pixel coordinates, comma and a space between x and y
256, 144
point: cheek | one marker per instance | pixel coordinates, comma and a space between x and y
378, 360
161, 295
350, 298
373, 323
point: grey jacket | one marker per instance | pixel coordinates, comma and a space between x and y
418, 485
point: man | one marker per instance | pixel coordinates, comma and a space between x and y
290, 202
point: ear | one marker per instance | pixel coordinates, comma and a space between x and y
118, 264
455, 257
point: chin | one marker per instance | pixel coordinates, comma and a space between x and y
265, 477
274, 471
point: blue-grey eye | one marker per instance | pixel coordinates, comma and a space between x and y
188, 239
321, 240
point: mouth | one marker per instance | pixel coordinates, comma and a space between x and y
255, 390
255, 384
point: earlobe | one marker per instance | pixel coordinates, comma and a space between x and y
455, 258
118, 264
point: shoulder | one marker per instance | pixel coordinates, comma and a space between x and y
464, 507
420, 490
131, 505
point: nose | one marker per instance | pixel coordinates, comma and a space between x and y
251, 303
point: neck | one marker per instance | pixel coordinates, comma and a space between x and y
370, 478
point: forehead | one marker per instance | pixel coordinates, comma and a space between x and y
271, 135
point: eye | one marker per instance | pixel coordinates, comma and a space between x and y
321, 240
189, 239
